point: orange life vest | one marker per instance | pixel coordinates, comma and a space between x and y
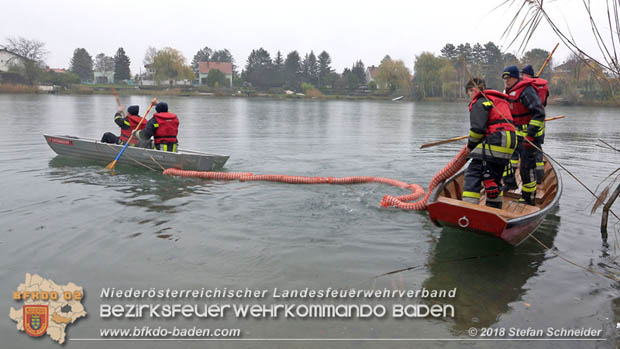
497, 122
134, 120
167, 129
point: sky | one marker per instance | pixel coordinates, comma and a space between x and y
347, 30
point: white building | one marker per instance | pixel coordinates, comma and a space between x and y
8, 58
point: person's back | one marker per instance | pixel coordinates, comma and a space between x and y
127, 124
163, 127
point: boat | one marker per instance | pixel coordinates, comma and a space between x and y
92, 149
397, 98
514, 223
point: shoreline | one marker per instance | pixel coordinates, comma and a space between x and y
197, 92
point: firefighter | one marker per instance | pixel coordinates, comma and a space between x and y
163, 127
528, 114
127, 124
492, 140
543, 92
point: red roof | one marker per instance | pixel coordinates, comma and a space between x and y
224, 67
373, 71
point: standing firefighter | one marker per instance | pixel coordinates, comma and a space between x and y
529, 118
492, 141
542, 87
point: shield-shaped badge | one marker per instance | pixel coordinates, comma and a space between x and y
36, 318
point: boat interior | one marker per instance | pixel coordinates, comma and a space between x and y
511, 208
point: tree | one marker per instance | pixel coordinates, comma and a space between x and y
222, 56
121, 65
427, 75
386, 58
150, 54
449, 52
203, 55
493, 65
310, 68
216, 78
393, 74
169, 64
34, 53
360, 71
325, 68
292, 69
536, 57
82, 64
449, 80
278, 69
104, 63
259, 69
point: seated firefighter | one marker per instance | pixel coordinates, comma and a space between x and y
127, 124
492, 141
163, 127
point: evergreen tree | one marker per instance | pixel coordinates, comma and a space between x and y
292, 70
259, 69
325, 68
121, 65
203, 55
360, 71
82, 64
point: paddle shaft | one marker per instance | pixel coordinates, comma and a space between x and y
427, 145
118, 101
547, 60
113, 163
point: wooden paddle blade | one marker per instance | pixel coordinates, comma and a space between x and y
111, 165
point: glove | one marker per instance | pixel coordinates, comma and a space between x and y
527, 145
136, 134
491, 188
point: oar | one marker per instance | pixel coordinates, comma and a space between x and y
118, 101
427, 145
113, 163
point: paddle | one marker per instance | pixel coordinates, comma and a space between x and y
113, 163
118, 101
427, 145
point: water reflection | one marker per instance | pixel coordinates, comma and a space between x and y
488, 273
149, 197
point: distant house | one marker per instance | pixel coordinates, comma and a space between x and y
205, 67
57, 70
371, 72
105, 77
147, 78
8, 58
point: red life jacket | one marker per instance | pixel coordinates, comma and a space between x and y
520, 114
496, 121
168, 128
542, 87
134, 120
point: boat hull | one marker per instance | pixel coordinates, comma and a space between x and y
91, 149
446, 208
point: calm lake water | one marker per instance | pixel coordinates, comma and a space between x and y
72, 221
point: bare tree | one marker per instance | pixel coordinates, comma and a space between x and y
605, 33
28, 48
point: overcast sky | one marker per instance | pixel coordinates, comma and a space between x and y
347, 30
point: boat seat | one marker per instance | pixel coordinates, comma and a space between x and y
512, 209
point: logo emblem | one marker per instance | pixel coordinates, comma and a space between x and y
36, 318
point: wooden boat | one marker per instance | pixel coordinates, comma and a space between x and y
513, 223
92, 149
